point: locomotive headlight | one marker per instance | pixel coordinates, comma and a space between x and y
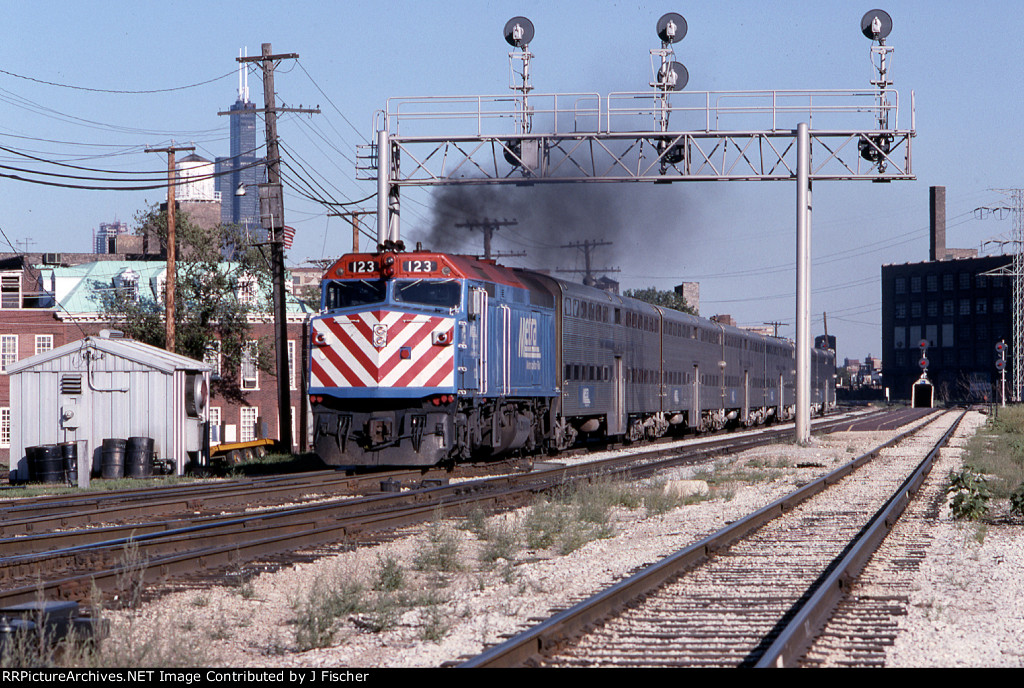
388, 267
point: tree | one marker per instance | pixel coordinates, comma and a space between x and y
213, 297
667, 299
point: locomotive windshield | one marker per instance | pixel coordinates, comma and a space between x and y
442, 293
354, 293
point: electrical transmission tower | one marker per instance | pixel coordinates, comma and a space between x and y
1015, 271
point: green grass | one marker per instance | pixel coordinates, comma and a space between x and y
997, 451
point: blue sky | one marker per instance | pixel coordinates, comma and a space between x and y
737, 239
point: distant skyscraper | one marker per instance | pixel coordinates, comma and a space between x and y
244, 166
102, 239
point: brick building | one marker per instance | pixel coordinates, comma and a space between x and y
46, 305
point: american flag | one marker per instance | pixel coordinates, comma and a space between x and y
287, 235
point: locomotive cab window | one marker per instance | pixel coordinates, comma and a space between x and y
441, 293
354, 293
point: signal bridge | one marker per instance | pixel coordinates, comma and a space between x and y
713, 136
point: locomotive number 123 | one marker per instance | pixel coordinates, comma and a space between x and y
419, 265
362, 266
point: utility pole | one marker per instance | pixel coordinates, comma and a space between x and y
588, 277
169, 281
272, 217
776, 324
355, 215
488, 227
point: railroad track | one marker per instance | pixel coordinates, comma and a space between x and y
752, 594
66, 564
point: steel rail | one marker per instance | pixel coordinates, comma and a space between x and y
797, 636
522, 649
231, 539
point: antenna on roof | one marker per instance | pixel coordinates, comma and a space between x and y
243, 77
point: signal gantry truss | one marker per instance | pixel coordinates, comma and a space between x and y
714, 136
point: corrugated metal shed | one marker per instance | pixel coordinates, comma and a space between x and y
108, 387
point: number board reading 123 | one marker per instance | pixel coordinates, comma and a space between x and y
409, 266
362, 267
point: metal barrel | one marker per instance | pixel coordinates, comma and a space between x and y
112, 466
31, 461
137, 462
69, 452
49, 464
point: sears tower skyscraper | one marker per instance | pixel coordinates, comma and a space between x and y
245, 167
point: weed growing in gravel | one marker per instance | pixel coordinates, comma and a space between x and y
500, 541
435, 625
390, 575
970, 494
570, 520
441, 552
1017, 501
318, 611
131, 576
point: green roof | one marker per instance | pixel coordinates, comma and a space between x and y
78, 288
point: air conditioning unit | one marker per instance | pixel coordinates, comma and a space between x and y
53, 258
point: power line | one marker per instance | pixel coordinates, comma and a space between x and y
104, 90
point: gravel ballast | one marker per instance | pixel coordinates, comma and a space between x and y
966, 611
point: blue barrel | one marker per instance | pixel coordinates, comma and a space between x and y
137, 462
112, 465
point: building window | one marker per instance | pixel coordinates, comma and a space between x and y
980, 281
933, 309
915, 309
44, 343
901, 285
947, 281
211, 356
901, 311
965, 280
5, 427
247, 290
291, 364
997, 304
8, 350
982, 307
965, 306
948, 308
933, 282
250, 367
215, 429
10, 290
248, 420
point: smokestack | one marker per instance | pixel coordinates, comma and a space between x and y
937, 211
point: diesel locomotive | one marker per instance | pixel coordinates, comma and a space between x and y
420, 358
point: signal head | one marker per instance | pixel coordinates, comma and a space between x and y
671, 28
876, 25
518, 32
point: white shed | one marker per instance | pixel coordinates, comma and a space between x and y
108, 387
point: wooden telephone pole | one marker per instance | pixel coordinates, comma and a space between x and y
169, 281
272, 218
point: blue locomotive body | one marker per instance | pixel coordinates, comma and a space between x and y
422, 358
